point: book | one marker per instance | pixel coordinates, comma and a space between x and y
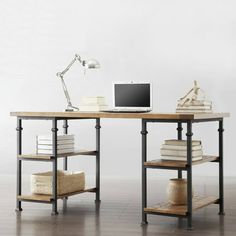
174, 158
199, 103
59, 137
50, 152
193, 111
93, 100
194, 108
59, 147
178, 147
179, 153
181, 142
93, 108
59, 142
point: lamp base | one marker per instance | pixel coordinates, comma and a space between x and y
71, 109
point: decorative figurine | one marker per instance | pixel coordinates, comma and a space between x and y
194, 101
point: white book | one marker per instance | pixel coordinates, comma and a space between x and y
93, 108
180, 153
199, 103
181, 142
50, 152
183, 148
194, 108
59, 142
96, 100
92, 104
193, 111
59, 147
59, 137
173, 158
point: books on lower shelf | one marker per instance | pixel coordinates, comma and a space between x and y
176, 150
177, 158
50, 152
180, 153
93, 104
65, 144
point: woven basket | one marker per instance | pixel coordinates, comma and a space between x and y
67, 182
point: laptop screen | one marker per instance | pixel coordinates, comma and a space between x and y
132, 95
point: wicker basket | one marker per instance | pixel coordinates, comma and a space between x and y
67, 182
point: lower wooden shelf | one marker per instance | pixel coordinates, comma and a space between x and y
45, 157
178, 164
166, 208
49, 198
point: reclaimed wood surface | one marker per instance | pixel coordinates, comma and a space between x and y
148, 115
167, 208
36, 156
48, 198
167, 163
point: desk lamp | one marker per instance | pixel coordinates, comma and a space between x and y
87, 64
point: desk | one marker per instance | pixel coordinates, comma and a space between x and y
161, 209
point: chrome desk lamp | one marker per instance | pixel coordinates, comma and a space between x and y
87, 64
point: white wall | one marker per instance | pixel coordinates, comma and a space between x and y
171, 43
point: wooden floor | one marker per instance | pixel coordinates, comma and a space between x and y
118, 215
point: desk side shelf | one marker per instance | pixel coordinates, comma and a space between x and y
42, 157
180, 210
49, 198
158, 163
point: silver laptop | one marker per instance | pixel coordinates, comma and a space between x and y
131, 97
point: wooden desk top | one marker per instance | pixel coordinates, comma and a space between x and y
149, 115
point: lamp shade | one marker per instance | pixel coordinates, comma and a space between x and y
91, 64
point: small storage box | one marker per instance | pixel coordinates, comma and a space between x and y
67, 182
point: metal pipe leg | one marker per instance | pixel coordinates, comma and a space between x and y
54, 167
179, 135
65, 160
221, 169
189, 175
65, 131
144, 171
19, 164
98, 127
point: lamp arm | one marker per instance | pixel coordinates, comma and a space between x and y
61, 76
76, 58
66, 92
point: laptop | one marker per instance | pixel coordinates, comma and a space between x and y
131, 97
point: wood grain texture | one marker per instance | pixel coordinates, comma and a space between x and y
150, 115
35, 156
119, 213
167, 208
165, 163
48, 198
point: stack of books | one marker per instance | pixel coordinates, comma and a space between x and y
93, 104
176, 150
198, 106
65, 144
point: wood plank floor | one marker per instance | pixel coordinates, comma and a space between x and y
118, 215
